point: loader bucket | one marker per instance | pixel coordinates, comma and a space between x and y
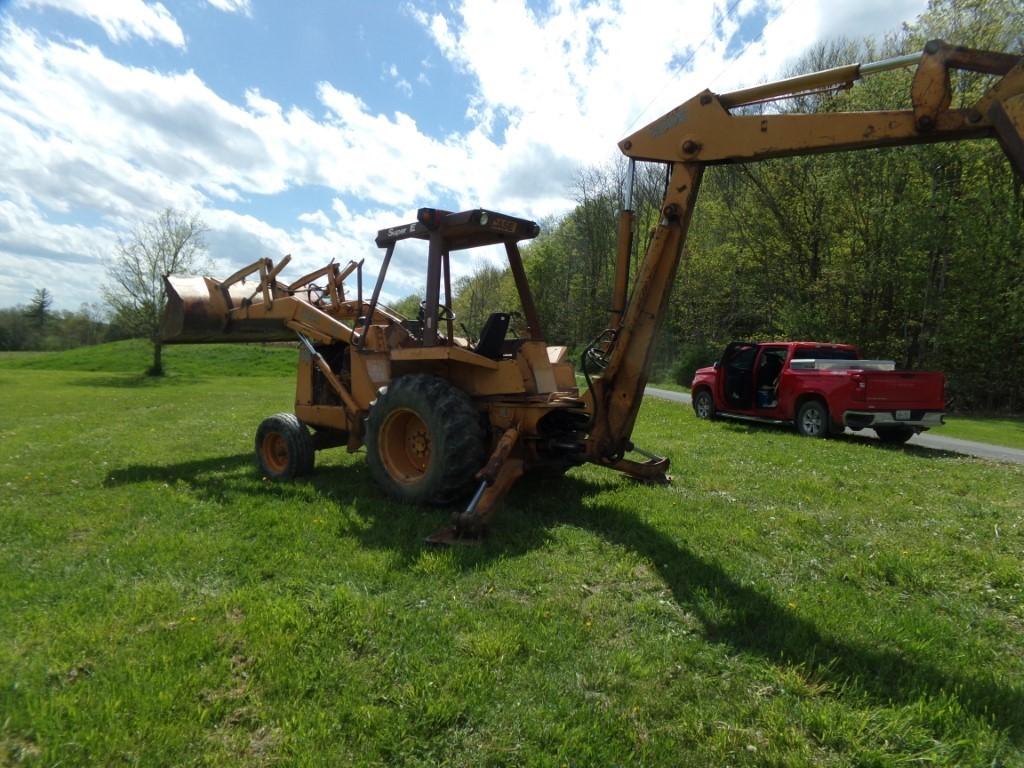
199, 310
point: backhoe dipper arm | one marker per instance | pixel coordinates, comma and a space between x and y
703, 132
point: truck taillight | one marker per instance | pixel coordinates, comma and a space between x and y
860, 387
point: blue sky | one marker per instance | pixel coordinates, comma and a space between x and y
304, 128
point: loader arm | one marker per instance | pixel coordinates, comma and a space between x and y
702, 131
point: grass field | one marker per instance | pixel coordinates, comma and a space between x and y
134, 356
783, 602
995, 430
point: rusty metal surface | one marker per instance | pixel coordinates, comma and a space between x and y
501, 452
450, 536
198, 312
702, 130
475, 520
1008, 119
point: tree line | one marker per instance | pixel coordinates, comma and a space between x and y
914, 254
37, 326
172, 242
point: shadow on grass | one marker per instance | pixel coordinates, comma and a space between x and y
920, 451
747, 620
205, 475
732, 614
365, 513
132, 380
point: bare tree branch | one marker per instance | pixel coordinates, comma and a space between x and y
170, 243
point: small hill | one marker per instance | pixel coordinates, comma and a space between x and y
135, 355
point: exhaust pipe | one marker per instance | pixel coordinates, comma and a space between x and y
199, 310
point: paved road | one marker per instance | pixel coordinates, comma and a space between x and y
926, 440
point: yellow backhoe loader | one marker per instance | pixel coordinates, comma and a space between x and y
445, 418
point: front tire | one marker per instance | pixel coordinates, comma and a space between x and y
284, 449
812, 419
897, 435
704, 405
424, 440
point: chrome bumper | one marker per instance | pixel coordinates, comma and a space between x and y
921, 419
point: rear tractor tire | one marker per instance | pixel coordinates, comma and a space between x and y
284, 448
424, 440
704, 405
896, 435
812, 419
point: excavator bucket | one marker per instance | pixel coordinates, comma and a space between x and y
199, 310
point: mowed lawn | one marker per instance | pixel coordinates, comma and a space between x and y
1006, 430
783, 602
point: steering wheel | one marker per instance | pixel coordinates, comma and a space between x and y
444, 312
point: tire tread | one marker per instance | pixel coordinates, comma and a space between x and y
301, 453
462, 442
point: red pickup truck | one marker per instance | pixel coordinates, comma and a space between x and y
820, 388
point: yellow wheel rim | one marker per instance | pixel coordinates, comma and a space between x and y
405, 446
274, 450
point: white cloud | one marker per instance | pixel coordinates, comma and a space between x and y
86, 133
238, 239
864, 19
33, 250
88, 138
391, 73
86, 130
318, 218
123, 19
578, 77
232, 6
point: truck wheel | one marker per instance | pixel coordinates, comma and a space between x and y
894, 435
812, 419
424, 440
704, 405
284, 449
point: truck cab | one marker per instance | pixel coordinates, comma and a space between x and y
820, 388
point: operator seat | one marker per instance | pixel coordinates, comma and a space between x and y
492, 335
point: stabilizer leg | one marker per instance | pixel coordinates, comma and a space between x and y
498, 475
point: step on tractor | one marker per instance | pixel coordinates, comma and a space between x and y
446, 417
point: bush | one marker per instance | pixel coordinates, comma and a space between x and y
689, 358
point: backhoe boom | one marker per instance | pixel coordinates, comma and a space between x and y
702, 132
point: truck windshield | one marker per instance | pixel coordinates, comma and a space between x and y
824, 353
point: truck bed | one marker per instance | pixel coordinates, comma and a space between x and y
917, 390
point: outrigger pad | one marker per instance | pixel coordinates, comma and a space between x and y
652, 471
451, 536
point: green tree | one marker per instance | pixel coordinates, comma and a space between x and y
409, 307
39, 308
489, 289
913, 253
